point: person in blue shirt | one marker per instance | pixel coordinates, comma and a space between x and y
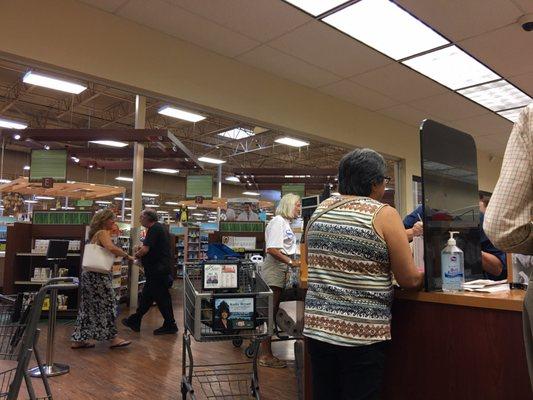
493, 260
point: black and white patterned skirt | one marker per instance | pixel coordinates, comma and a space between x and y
97, 311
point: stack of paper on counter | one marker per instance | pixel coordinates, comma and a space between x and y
487, 286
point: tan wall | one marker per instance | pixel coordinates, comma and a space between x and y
69, 35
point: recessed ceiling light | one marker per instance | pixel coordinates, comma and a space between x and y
237, 133
10, 124
171, 203
496, 96
47, 147
251, 193
232, 179
75, 159
452, 67
211, 160
181, 114
165, 170
26, 168
150, 194
44, 198
110, 143
316, 7
511, 115
34, 78
124, 178
383, 25
292, 142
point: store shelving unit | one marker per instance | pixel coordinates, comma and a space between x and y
20, 261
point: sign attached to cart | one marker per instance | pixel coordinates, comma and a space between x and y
233, 313
220, 276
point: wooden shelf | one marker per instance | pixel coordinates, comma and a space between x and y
44, 254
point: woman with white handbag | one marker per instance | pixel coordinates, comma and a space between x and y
97, 310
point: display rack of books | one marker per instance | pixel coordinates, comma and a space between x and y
26, 267
177, 244
121, 266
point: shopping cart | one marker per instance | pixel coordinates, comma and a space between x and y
18, 341
223, 380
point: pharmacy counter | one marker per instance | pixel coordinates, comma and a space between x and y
463, 346
460, 346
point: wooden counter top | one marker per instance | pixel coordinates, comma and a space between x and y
510, 301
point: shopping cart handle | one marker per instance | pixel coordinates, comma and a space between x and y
63, 282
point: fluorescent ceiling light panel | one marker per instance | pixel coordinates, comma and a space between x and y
34, 78
5, 181
292, 142
103, 202
120, 198
110, 143
151, 206
197, 214
68, 208
180, 114
316, 7
127, 208
452, 67
31, 201
124, 178
383, 25
161, 212
232, 179
44, 198
210, 160
511, 115
192, 207
496, 96
251, 193
171, 203
237, 133
9, 124
150, 194
26, 168
165, 170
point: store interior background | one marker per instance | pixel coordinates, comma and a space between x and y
273, 70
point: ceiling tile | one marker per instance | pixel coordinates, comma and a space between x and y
180, 23
261, 20
485, 125
455, 19
407, 114
523, 82
321, 45
288, 67
449, 106
359, 95
399, 82
508, 51
106, 5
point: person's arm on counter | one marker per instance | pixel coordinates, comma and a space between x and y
389, 224
508, 220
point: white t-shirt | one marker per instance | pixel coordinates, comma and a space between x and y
245, 217
279, 235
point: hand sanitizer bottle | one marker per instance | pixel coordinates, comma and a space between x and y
452, 266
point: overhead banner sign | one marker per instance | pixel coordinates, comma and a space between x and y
48, 164
199, 186
296, 188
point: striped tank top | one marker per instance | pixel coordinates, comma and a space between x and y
350, 292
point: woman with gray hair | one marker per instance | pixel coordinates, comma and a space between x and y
280, 244
354, 244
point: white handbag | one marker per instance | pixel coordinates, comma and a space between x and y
97, 259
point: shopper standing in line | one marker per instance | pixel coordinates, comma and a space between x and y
354, 243
280, 243
97, 310
156, 261
509, 217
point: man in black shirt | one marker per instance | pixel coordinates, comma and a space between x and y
156, 260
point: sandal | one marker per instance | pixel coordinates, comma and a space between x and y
82, 345
122, 343
272, 363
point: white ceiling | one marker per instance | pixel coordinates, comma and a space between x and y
277, 37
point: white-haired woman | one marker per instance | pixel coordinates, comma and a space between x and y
280, 244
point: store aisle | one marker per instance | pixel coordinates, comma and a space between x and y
150, 369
